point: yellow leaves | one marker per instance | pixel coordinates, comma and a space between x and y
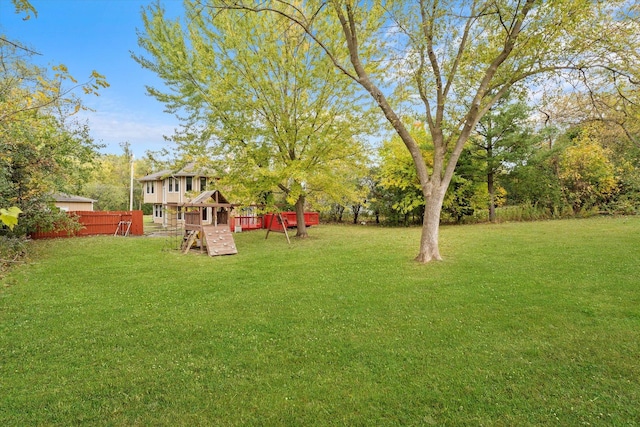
23, 6
9, 217
99, 79
63, 73
500, 196
586, 171
397, 168
47, 92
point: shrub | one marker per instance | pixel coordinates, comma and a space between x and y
12, 251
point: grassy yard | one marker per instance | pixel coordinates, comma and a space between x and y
522, 324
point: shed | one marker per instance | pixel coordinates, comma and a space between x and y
69, 203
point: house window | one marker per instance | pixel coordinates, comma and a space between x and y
179, 213
157, 211
174, 185
189, 185
204, 214
203, 183
150, 187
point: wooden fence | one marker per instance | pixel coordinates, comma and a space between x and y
272, 221
99, 222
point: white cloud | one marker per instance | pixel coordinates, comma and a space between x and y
143, 131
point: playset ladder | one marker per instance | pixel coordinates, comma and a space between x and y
123, 228
189, 240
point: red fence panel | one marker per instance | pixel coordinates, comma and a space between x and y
273, 222
311, 218
247, 223
99, 222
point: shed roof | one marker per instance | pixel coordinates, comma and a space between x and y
63, 197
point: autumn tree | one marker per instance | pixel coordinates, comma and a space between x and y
399, 187
585, 172
110, 180
451, 61
260, 102
398, 180
42, 148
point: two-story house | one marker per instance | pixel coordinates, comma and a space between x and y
167, 189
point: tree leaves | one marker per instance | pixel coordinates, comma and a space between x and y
260, 101
9, 217
41, 150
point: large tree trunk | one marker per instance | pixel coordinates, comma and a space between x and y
429, 249
302, 226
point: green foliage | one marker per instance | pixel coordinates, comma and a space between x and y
399, 193
42, 149
503, 138
399, 196
12, 251
264, 107
110, 180
582, 174
585, 172
535, 181
458, 202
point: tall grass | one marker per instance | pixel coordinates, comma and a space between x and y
527, 212
522, 324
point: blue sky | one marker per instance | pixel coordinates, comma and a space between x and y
88, 35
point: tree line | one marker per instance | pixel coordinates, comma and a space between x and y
512, 168
249, 77
422, 111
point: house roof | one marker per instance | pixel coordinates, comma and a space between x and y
63, 197
209, 198
188, 170
205, 196
156, 176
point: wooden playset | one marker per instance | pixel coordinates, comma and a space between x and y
206, 224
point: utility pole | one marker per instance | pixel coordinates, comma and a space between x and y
131, 185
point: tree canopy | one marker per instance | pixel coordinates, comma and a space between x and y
262, 105
449, 62
43, 149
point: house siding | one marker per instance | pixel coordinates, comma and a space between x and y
152, 191
159, 189
74, 206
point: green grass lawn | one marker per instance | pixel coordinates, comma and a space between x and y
522, 324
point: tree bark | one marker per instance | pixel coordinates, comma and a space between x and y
302, 226
429, 249
434, 184
492, 196
356, 212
